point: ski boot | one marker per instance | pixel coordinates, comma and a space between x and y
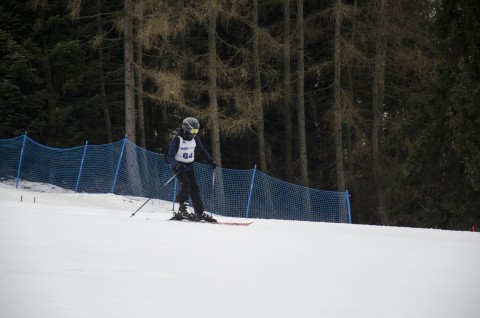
182, 213
205, 217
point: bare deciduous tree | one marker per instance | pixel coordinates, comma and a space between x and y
129, 72
212, 81
139, 73
378, 97
287, 114
302, 140
338, 100
258, 105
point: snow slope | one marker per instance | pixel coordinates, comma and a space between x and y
81, 255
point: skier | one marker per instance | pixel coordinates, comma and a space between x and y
181, 156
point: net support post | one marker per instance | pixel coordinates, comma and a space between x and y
251, 190
20, 160
347, 197
81, 167
174, 194
119, 162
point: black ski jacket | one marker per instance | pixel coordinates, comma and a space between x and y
175, 143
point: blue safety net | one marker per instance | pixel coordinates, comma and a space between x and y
10, 150
142, 173
99, 167
126, 169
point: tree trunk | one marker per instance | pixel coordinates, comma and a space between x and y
131, 160
378, 95
287, 114
129, 73
212, 82
51, 101
338, 103
258, 93
302, 140
348, 132
139, 82
103, 94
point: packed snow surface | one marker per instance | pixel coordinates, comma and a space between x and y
68, 255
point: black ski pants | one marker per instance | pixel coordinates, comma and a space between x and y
189, 188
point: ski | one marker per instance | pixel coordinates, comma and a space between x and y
233, 223
190, 217
218, 222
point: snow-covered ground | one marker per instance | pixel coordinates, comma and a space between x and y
81, 255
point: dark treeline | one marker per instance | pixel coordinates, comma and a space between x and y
379, 97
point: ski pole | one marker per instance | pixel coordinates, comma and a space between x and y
163, 186
140, 207
213, 188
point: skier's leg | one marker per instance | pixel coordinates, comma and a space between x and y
197, 199
184, 194
195, 193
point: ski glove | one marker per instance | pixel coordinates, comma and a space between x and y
180, 167
213, 165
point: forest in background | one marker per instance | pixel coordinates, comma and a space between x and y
380, 97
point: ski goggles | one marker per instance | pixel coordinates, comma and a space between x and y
193, 131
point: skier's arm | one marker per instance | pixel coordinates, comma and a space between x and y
203, 152
172, 151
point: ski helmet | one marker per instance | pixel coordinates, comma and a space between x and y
190, 126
